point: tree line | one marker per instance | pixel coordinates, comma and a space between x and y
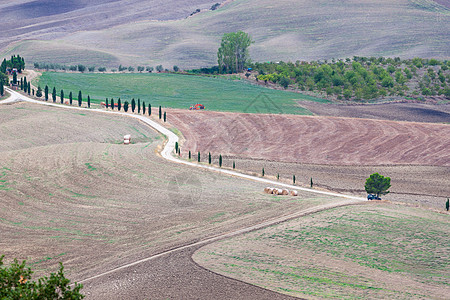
16, 62
83, 68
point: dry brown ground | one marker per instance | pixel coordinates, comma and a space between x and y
338, 153
412, 112
70, 192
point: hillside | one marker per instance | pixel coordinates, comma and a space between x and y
283, 30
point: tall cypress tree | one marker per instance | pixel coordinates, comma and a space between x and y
46, 93
29, 88
262, 173
133, 105
89, 101
220, 160
209, 157
70, 98
160, 112
139, 106
112, 103
62, 96
149, 109
198, 156
176, 147
15, 78
25, 84
54, 94
234, 165
293, 179
21, 84
189, 154
80, 98
2, 88
119, 104
311, 182
106, 102
125, 106
165, 117
143, 107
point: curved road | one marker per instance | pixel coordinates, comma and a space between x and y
173, 274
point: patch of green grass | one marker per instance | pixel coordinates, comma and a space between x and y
179, 91
90, 167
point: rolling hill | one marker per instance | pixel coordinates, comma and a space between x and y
126, 32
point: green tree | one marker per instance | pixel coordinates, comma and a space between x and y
25, 84
16, 283
2, 88
89, 101
263, 172
119, 104
61, 96
70, 98
377, 184
176, 147
234, 165
81, 68
189, 154
112, 103
15, 78
233, 52
46, 92
165, 117
54, 95
39, 92
143, 107
149, 109
125, 106
447, 204
29, 88
159, 68
209, 158
198, 156
220, 160
107, 104
176, 69
311, 183
160, 112
80, 98
133, 105
139, 105
293, 179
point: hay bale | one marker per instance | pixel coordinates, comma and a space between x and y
278, 192
266, 190
127, 137
294, 193
126, 142
284, 192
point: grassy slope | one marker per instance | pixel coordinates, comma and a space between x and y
283, 30
381, 252
177, 91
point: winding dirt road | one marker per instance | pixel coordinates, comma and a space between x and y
173, 274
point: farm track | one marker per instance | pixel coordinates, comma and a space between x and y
210, 278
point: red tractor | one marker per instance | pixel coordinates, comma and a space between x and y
197, 107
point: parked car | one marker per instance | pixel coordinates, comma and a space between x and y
373, 197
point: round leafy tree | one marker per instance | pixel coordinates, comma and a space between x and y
377, 184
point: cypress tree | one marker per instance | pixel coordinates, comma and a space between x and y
149, 109
278, 176
125, 106
447, 204
160, 112
198, 156
179, 151
189, 154
176, 147
2, 88
107, 105
311, 182
39, 92
15, 78
234, 165
139, 106
54, 95
293, 179
62, 96
112, 103
89, 101
70, 98
119, 104
46, 92
262, 173
143, 107
133, 105
164, 116
25, 84
33, 92
21, 84
220, 160
80, 98
209, 158
29, 88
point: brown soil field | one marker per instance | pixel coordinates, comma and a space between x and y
412, 112
71, 192
336, 152
374, 251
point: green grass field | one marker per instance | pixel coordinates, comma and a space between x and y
380, 252
178, 91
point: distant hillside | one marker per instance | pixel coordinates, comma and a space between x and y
285, 30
